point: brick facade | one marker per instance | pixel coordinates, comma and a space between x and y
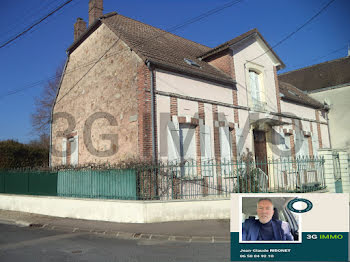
144, 113
173, 106
225, 62
278, 98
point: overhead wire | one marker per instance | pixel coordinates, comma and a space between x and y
174, 28
295, 31
29, 14
35, 24
192, 20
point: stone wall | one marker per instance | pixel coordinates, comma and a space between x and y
100, 95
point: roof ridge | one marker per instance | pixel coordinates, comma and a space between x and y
306, 67
163, 30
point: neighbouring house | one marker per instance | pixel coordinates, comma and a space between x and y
328, 83
132, 90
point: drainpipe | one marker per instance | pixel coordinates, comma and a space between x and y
152, 112
329, 132
51, 114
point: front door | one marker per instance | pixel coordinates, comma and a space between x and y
260, 150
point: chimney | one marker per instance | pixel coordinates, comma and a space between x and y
79, 28
95, 10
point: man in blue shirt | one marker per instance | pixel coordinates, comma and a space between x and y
265, 228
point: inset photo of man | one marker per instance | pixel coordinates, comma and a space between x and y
268, 219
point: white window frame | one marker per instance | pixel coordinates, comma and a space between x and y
259, 71
74, 156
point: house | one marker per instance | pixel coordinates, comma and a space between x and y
133, 90
329, 84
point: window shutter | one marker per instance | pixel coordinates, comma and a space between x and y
306, 146
299, 144
205, 143
74, 151
239, 141
64, 151
173, 142
315, 144
225, 149
188, 142
206, 157
225, 144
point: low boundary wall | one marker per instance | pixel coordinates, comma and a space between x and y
122, 211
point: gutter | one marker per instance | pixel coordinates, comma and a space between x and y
152, 112
51, 114
327, 88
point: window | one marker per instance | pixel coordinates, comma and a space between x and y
187, 142
256, 90
73, 145
206, 154
182, 147
70, 151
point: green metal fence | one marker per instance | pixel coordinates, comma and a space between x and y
165, 181
89, 183
28, 182
190, 179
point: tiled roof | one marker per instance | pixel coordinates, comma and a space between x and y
294, 94
328, 74
164, 49
168, 51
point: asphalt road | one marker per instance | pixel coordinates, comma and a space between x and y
35, 244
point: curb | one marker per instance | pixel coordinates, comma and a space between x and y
122, 235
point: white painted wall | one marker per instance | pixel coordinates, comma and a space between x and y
122, 211
244, 53
187, 108
325, 137
163, 117
339, 123
298, 110
179, 84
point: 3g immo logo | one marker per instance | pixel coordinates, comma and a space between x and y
299, 205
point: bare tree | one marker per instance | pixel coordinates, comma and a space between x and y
43, 105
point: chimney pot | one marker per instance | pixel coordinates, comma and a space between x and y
79, 28
95, 10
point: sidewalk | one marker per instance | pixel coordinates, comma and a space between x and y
189, 231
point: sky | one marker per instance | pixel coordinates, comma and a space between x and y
30, 61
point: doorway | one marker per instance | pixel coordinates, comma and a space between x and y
260, 150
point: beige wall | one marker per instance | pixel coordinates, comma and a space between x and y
121, 211
110, 86
298, 110
339, 123
245, 52
182, 85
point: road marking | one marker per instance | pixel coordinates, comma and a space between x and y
38, 241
